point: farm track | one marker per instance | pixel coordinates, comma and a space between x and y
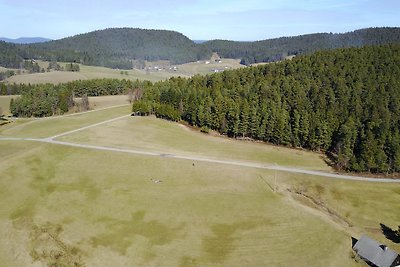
51, 140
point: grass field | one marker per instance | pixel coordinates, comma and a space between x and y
51, 126
87, 73
5, 104
100, 102
106, 211
68, 205
150, 133
47, 77
93, 72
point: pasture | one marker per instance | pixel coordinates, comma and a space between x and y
100, 102
67, 205
150, 133
154, 75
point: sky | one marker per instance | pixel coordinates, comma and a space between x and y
240, 20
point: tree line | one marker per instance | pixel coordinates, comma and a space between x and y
344, 102
48, 99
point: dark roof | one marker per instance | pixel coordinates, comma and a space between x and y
376, 253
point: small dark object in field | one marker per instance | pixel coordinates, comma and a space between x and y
156, 181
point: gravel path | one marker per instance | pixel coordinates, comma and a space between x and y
209, 160
195, 158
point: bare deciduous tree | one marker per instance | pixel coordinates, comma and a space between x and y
135, 94
85, 102
130, 95
138, 93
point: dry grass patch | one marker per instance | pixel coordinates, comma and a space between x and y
54, 77
110, 212
99, 102
5, 104
94, 72
364, 206
47, 127
149, 133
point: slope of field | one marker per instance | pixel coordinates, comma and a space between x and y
47, 77
102, 209
93, 72
68, 206
54, 125
150, 133
208, 66
87, 73
5, 104
100, 102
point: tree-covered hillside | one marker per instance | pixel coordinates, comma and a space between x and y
345, 102
10, 55
277, 49
118, 46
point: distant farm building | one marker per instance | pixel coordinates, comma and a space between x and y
376, 254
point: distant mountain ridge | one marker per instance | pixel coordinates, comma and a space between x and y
123, 48
278, 48
25, 40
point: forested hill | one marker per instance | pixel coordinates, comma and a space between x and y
277, 49
25, 40
10, 55
345, 102
116, 47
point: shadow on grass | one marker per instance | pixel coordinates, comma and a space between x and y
353, 241
121, 234
390, 234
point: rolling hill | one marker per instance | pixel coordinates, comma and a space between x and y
121, 48
10, 55
117, 47
277, 49
25, 40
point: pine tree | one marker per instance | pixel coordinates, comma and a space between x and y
244, 119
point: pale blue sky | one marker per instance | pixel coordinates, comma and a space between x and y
197, 19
